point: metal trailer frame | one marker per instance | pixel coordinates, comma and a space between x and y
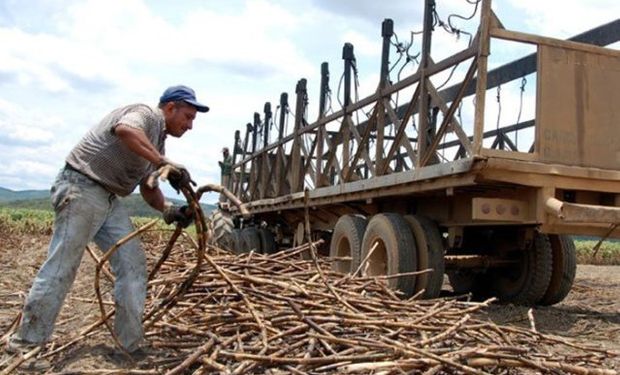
568, 182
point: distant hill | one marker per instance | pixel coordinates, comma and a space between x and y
7, 195
40, 200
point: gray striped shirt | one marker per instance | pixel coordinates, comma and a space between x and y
102, 156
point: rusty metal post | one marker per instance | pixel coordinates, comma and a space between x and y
324, 89
268, 114
423, 115
255, 131
283, 110
348, 57
296, 162
300, 91
265, 165
237, 148
246, 143
481, 81
387, 32
280, 163
320, 136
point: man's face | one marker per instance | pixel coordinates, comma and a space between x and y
179, 118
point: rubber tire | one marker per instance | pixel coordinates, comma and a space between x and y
563, 271
222, 225
347, 241
533, 275
236, 240
267, 241
250, 240
430, 255
397, 252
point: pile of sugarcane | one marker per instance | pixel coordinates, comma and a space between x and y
281, 313
253, 313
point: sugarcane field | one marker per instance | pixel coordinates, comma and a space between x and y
452, 209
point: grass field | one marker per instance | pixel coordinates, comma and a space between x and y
607, 254
29, 221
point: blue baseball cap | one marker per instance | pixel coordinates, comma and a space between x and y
184, 93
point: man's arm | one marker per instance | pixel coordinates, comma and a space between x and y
154, 197
137, 142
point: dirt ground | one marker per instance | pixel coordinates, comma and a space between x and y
590, 313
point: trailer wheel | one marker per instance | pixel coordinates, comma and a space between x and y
236, 240
222, 225
526, 282
564, 268
430, 255
394, 250
250, 240
267, 241
347, 242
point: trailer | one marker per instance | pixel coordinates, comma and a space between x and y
395, 189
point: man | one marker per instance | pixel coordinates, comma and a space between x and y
111, 160
226, 167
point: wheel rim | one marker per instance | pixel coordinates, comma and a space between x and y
377, 264
343, 250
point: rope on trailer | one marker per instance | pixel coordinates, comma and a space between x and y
449, 77
522, 88
356, 85
450, 27
338, 91
498, 97
402, 49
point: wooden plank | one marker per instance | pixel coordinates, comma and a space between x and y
362, 146
404, 141
580, 229
432, 148
551, 169
542, 180
320, 142
346, 140
401, 128
552, 42
454, 123
584, 85
507, 154
309, 168
481, 82
362, 143
379, 141
431, 178
253, 185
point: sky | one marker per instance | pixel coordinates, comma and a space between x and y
64, 64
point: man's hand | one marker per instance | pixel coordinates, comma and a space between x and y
180, 178
165, 161
177, 175
177, 214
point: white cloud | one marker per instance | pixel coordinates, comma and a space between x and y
563, 19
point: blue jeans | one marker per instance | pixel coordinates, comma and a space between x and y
85, 211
